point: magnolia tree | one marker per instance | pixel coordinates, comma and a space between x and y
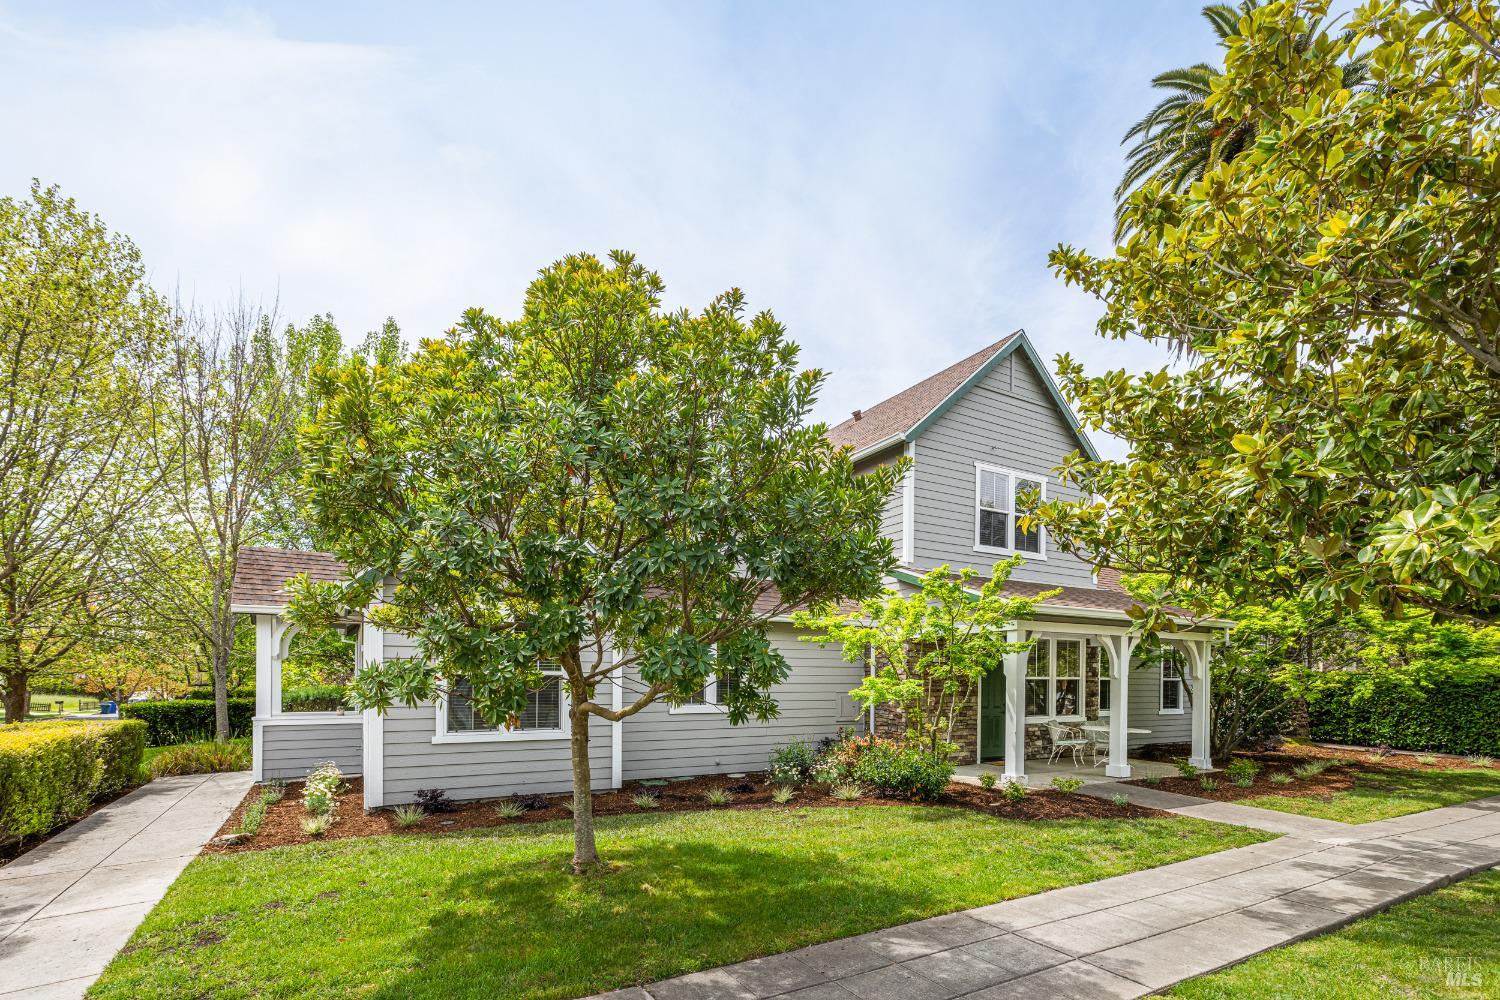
1335, 433
932, 646
597, 484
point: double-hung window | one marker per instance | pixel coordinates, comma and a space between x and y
1054, 679
1172, 700
709, 698
544, 717
1003, 499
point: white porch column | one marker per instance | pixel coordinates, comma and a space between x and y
1197, 658
372, 651
1120, 648
265, 660
1015, 711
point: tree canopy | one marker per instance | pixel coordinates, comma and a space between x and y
931, 646
1335, 431
597, 473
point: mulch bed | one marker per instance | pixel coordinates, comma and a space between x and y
283, 822
1338, 778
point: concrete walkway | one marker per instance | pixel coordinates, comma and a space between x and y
69, 905
1134, 934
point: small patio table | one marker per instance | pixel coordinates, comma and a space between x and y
1100, 727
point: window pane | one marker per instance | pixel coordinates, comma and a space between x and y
1036, 697
461, 715
994, 526
1028, 539
1104, 694
993, 491
1069, 658
1068, 693
1036, 660
1171, 690
544, 706
317, 670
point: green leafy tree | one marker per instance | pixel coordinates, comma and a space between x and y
1336, 432
931, 646
597, 473
78, 326
232, 388
1180, 139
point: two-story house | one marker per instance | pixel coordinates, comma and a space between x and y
983, 436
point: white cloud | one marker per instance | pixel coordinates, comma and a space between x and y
888, 180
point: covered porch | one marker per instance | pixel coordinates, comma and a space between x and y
1065, 707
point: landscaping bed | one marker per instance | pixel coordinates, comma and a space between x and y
283, 820
1353, 787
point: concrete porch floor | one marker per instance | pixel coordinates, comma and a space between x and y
1039, 773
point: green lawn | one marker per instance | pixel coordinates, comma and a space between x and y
1409, 952
1390, 792
494, 913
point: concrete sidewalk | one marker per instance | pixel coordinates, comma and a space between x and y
69, 905
1134, 934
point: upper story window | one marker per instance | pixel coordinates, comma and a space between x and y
544, 717
1002, 498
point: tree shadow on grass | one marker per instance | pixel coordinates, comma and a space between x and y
664, 907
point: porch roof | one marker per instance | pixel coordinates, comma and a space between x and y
262, 573
1109, 597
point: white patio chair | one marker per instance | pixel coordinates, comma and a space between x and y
1066, 738
1098, 745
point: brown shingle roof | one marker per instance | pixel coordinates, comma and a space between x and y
1109, 579
261, 574
905, 409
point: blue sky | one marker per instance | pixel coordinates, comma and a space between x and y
888, 179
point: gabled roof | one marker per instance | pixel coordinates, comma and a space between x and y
911, 411
261, 575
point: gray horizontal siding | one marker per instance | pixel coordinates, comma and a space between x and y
1010, 420
892, 521
477, 770
291, 751
1144, 709
814, 703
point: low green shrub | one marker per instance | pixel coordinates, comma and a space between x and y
1311, 769
905, 771
1184, 768
846, 791
254, 816
1067, 785
187, 720
1281, 778
718, 796
316, 826
782, 794
641, 800
321, 790
207, 757
314, 698
793, 763
51, 771
1242, 771
409, 815
1015, 791
1208, 784
1120, 800
987, 779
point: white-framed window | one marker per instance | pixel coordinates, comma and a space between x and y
1105, 694
1001, 499
545, 716
1173, 697
709, 698
1054, 680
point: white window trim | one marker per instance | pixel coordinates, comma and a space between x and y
1081, 681
503, 735
1161, 690
710, 705
980, 468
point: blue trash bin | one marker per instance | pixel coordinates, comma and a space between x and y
108, 708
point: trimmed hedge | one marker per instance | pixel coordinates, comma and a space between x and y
1454, 715
187, 720
51, 771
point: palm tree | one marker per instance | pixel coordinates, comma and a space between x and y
1179, 140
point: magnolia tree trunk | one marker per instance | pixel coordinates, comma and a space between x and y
585, 854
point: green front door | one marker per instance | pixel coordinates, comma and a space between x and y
992, 715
